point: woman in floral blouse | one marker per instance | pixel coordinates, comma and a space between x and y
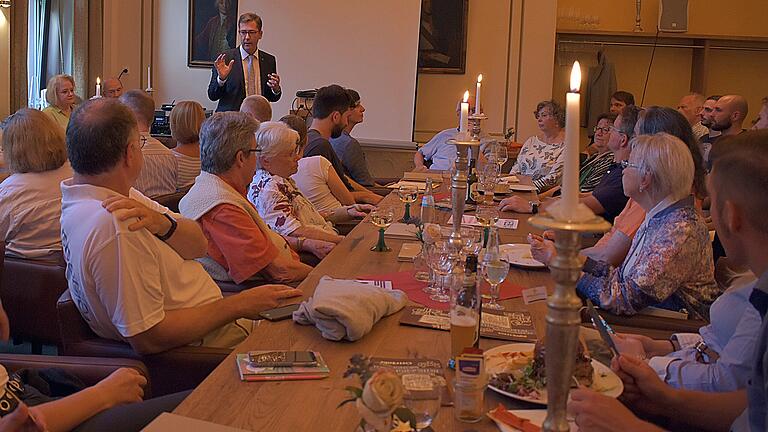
541, 157
277, 199
669, 264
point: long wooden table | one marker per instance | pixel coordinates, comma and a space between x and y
311, 405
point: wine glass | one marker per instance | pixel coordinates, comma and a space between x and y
487, 215
487, 177
408, 195
501, 155
472, 239
494, 270
382, 218
424, 403
441, 261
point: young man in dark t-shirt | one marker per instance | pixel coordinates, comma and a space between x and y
330, 111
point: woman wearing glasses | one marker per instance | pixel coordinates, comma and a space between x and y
597, 164
669, 264
277, 198
60, 95
541, 157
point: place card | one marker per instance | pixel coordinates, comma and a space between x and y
534, 294
470, 220
378, 283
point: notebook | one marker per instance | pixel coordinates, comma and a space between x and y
409, 251
251, 373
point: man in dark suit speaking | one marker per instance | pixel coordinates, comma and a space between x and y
245, 70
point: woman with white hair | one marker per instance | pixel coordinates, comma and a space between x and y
30, 198
60, 95
276, 197
669, 264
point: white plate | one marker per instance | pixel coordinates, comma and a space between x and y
522, 187
519, 254
604, 377
535, 416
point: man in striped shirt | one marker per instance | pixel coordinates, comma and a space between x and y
158, 176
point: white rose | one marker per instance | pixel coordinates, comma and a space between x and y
383, 392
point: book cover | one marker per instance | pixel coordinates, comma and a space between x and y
502, 325
250, 373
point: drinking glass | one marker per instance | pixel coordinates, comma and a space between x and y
472, 239
487, 177
424, 403
441, 260
494, 270
501, 154
382, 218
487, 215
407, 195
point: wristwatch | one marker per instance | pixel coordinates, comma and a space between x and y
170, 231
300, 243
534, 206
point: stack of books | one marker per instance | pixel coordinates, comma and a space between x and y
248, 372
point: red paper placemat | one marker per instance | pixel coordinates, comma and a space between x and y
405, 282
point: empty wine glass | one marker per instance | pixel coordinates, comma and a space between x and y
472, 239
500, 154
424, 403
408, 195
441, 261
382, 218
487, 177
494, 270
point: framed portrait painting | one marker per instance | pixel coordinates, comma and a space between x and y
212, 30
443, 36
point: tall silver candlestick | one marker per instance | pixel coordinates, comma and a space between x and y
563, 318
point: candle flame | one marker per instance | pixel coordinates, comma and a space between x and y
480, 78
466, 96
575, 77
98, 80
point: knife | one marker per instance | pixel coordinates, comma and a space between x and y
602, 327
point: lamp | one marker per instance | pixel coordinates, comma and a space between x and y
5, 3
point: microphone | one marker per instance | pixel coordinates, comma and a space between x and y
125, 71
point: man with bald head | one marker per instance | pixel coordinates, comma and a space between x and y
258, 107
729, 114
113, 88
690, 106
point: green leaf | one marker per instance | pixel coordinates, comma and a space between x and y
406, 415
356, 392
344, 402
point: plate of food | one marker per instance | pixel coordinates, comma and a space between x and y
519, 254
517, 370
522, 187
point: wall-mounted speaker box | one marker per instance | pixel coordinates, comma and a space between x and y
673, 15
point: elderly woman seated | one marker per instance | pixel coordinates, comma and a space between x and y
60, 95
277, 198
30, 198
669, 264
319, 182
541, 157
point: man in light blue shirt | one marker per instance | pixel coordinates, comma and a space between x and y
438, 151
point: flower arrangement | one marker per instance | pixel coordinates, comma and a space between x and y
379, 400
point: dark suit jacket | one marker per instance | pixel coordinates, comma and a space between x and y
232, 93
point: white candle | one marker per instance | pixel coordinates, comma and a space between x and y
570, 186
149, 77
464, 119
98, 87
477, 94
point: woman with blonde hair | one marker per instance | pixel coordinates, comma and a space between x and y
669, 264
30, 198
186, 119
60, 94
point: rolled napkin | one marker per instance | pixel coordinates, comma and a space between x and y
346, 309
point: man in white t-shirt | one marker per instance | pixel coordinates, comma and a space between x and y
130, 261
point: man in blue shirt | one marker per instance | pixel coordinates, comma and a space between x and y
437, 151
737, 185
348, 148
